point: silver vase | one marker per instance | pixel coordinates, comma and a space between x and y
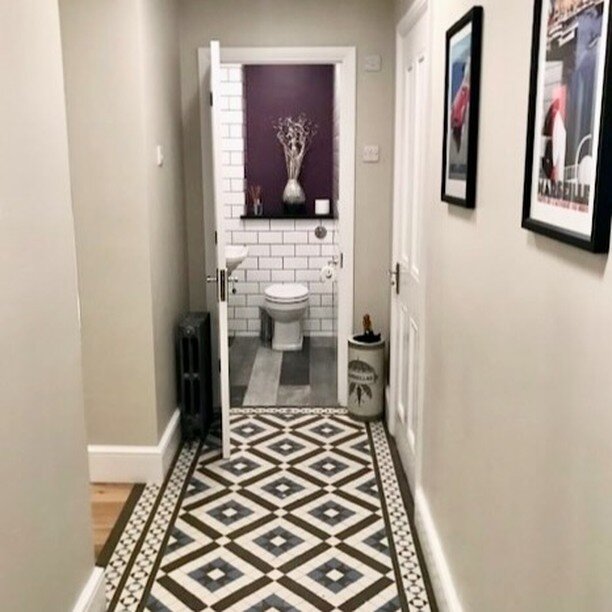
293, 194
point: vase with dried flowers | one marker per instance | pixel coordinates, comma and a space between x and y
295, 135
255, 197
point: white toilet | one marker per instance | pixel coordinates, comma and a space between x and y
286, 304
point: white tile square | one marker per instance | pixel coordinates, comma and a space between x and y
295, 237
295, 262
283, 276
282, 250
270, 237
258, 275
244, 238
283, 224
271, 263
307, 275
307, 249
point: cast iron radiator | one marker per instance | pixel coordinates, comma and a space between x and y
194, 382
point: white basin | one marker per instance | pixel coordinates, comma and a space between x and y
235, 254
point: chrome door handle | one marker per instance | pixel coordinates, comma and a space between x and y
211, 278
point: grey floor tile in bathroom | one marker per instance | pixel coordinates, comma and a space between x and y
265, 377
323, 372
294, 395
295, 369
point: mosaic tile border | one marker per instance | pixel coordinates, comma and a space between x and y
133, 565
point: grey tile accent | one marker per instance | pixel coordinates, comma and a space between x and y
241, 357
294, 395
265, 377
323, 373
296, 366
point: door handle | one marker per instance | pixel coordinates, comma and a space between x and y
220, 277
394, 277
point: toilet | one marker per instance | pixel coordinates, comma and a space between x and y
286, 304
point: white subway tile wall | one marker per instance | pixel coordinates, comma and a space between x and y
280, 250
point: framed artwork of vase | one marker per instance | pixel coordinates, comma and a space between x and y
568, 181
461, 109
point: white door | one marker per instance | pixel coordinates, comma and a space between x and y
407, 301
220, 275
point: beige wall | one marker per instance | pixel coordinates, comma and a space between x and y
46, 553
121, 67
167, 233
517, 417
366, 24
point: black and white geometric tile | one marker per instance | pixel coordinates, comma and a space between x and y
306, 515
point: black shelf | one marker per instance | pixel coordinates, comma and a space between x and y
289, 216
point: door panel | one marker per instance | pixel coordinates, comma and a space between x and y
408, 293
221, 270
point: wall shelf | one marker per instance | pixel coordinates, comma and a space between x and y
289, 216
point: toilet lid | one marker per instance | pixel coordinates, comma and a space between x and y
289, 292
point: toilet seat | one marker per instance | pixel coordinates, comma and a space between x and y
289, 293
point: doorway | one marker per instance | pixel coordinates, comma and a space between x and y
277, 248
408, 290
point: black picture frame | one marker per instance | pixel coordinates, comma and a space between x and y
598, 240
463, 192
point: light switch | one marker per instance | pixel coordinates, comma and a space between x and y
160, 155
372, 63
371, 154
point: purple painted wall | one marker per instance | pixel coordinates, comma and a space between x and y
282, 91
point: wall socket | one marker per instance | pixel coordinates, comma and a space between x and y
371, 154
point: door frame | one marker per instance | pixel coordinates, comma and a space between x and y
418, 10
345, 58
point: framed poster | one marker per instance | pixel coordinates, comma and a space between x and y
568, 172
462, 100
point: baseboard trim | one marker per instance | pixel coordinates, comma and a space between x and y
92, 597
109, 463
437, 565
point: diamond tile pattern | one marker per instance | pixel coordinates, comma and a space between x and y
296, 520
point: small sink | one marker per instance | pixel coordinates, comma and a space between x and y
235, 254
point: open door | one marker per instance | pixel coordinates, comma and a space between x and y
220, 275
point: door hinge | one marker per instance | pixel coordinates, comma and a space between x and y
342, 260
215, 237
219, 365
211, 98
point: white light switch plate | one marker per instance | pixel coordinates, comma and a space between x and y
372, 63
159, 154
371, 154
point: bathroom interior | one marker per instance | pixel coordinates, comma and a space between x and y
282, 239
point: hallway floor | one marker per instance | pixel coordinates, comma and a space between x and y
308, 514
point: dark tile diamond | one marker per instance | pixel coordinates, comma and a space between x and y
178, 540
335, 575
286, 447
369, 488
329, 466
230, 512
215, 574
273, 602
288, 416
278, 541
195, 486
283, 488
154, 605
327, 430
378, 541
248, 430
239, 466
362, 447
331, 513
391, 606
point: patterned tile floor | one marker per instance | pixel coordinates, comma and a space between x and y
306, 515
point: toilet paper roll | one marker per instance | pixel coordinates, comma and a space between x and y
328, 273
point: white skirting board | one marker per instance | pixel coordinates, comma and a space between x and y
437, 566
92, 597
135, 463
